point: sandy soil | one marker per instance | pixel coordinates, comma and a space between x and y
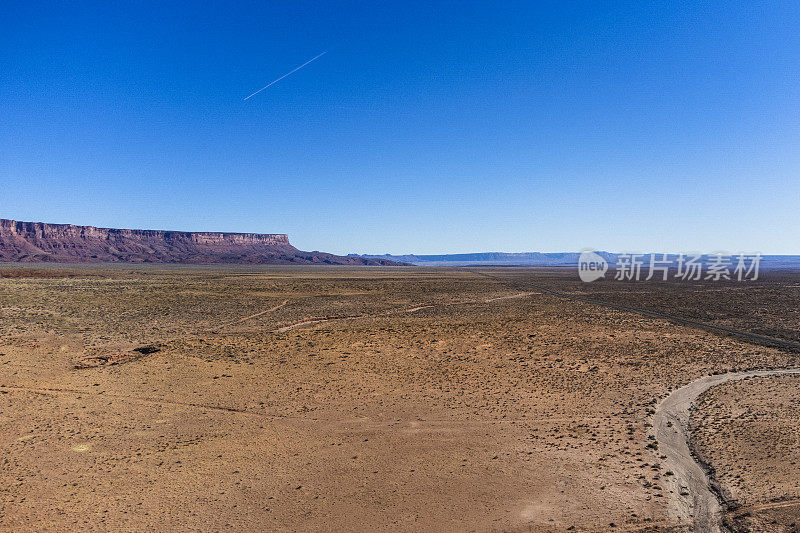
444, 401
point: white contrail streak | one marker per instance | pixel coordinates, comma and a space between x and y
290, 72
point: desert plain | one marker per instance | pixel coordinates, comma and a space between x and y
136, 397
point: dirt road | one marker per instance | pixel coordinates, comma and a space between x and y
693, 499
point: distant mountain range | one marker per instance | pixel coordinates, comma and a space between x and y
36, 242
490, 258
560, 259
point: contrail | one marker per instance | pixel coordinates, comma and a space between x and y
290, 72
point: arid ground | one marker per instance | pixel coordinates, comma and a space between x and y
381, 398
750, 432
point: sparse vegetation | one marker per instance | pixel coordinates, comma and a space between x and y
422, 398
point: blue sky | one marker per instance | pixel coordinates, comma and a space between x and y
454, 127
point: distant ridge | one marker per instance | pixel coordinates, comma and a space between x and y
34, 242
557, 259
491, 258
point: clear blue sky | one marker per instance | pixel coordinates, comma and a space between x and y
459, 127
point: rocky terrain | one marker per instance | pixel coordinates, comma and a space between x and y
33, 242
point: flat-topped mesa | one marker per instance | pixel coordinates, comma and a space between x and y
43, 230
39, 241
269, 239
199, 237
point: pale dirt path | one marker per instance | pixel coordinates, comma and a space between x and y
314, 320
271, 309
51, 391
520, 295
692, 499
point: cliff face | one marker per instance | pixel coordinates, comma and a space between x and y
40, 242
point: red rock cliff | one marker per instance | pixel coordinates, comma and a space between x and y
38, 241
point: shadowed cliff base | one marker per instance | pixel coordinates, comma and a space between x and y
35, 242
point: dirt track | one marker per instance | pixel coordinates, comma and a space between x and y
693, 499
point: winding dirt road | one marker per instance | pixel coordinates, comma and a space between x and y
692, 497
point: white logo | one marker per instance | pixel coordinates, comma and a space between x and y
662, 267
591, 266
